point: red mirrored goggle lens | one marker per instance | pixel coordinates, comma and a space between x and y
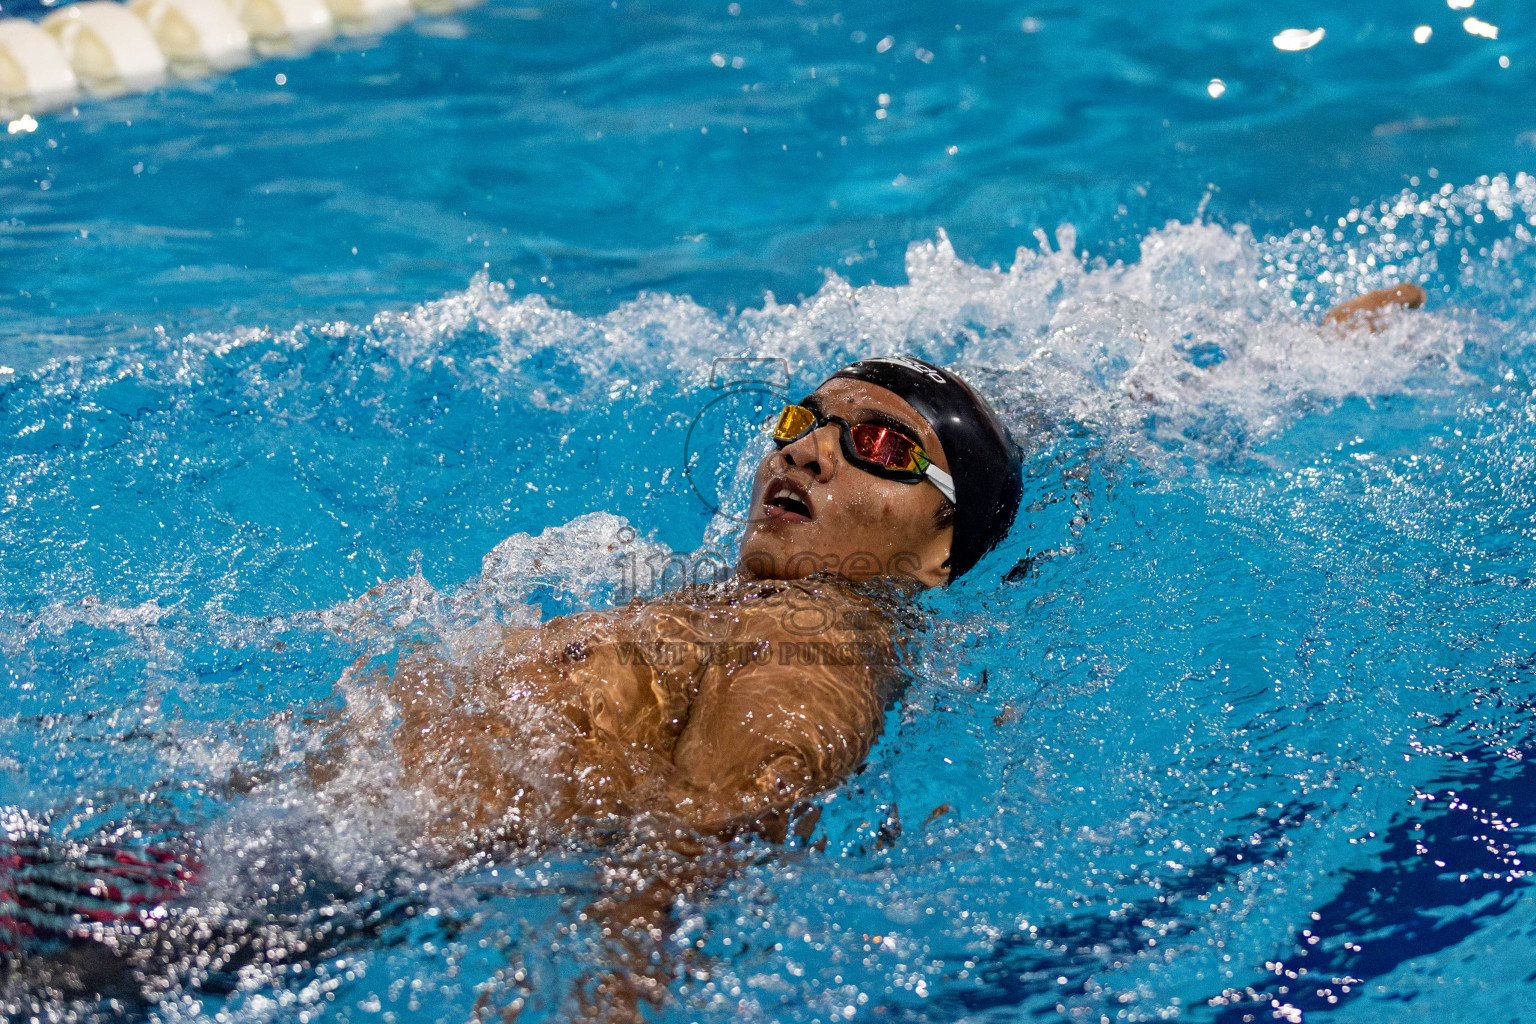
886, 447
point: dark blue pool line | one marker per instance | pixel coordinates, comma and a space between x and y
1021, 970
1388, 913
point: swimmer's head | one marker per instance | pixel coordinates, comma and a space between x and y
892, 467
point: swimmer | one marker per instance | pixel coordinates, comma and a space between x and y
661, 727
683, 721
717, 710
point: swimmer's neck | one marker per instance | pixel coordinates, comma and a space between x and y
881, 583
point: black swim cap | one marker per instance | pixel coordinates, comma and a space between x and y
984, 460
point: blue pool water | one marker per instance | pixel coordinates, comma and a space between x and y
1234, 725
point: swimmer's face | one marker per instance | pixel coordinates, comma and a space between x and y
814, 511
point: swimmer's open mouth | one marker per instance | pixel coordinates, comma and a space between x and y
787, 500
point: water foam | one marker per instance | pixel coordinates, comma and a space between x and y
1206, 344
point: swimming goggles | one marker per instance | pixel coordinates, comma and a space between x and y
876, 449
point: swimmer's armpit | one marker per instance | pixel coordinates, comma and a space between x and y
1368, 310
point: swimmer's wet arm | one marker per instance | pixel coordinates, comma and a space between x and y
1366, 310
767, 736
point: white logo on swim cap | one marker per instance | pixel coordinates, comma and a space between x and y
912, 364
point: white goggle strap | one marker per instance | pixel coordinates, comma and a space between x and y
942, 480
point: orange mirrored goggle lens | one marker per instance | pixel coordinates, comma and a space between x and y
793, 421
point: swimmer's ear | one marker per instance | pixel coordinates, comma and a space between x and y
1367, 310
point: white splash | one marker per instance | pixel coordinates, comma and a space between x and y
1207, 323
1210, 323
587, 559
594, 560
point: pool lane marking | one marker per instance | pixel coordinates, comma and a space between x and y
101, 49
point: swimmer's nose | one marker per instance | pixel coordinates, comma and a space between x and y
814, 451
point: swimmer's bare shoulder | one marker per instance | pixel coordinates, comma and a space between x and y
790, 708
715, 709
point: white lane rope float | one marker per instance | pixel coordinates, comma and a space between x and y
100, 48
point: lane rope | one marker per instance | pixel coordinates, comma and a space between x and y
100, 48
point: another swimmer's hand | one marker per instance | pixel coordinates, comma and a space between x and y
1367, 310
